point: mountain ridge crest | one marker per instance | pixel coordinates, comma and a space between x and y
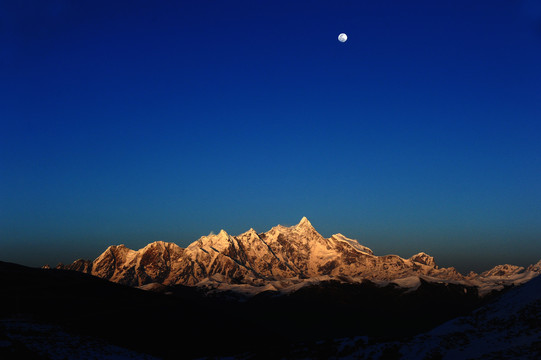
282, 253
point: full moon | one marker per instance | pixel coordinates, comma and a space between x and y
342, 37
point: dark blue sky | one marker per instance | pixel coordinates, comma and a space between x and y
130, 122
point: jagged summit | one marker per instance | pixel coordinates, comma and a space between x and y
303, 227
214, 242
423, 258
504, 270
282, 253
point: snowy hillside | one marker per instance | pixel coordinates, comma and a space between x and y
509, 328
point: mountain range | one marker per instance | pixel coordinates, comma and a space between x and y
282, 259
288, 292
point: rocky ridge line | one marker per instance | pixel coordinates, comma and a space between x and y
276, 257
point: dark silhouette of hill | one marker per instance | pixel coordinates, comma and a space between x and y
184, 322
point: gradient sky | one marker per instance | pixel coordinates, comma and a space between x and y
136, 121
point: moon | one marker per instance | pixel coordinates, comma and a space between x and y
342, 37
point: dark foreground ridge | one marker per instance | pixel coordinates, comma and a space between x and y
183, 322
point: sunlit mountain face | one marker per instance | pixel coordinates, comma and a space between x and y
282, 260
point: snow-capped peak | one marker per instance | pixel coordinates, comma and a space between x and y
304, 227
216, 242
222, 233
249, 234
304, 223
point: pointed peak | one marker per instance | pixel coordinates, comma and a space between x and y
304, 222
212, 237
248, 235
251, 232
223, 233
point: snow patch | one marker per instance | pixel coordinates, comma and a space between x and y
411, 283
353, 243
